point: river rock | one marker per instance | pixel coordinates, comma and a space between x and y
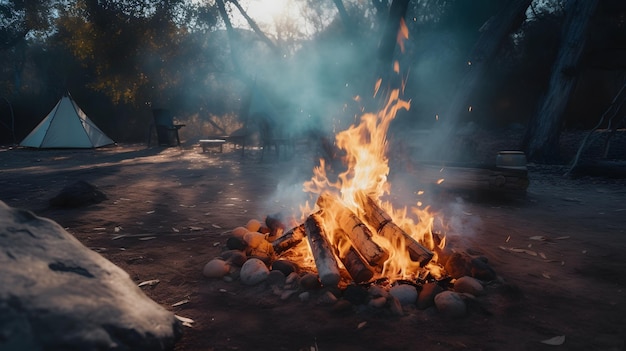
239, 232
56, 294
450, 304
395, 306
310, 281
405, 293
236, 243
377, 291
215, 268
234, 257
461, 264
469, 285
253, 225
287, 267
426, 296
276, 278
253, 272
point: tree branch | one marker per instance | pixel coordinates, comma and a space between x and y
255, 27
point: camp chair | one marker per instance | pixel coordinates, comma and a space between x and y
167, 131
271, 136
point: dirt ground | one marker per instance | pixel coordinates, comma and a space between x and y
176, 207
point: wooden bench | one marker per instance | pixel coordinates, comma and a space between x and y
207, 143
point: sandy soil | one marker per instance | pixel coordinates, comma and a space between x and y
188, 202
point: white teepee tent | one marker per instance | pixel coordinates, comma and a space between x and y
66, 126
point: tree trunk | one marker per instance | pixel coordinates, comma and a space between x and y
345, 18
542, 136
233, 41
494, 32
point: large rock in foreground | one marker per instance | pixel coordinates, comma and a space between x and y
56, 294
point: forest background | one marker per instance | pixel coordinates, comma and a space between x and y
486, 64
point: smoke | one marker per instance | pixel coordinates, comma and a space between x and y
311, 92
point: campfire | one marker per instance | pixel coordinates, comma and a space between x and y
347, 234
349, 228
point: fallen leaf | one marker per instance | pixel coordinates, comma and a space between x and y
192, 228
361, 325
99, 229
152, 282
175, 230
542, 255
150, 212
216, 226
545, 275
538, 238
117, 229
530, 252
507, 239
562, 237
147, 238
181, 302
555, 341
187, 322
217, 243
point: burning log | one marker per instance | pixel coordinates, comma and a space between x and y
358, 270
288, 240
379, 219
355, 230
325, 262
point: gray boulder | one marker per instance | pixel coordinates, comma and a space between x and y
56, 294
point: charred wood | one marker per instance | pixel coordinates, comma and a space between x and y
288, 240
359, 271
377, 218
358, 233
325, 261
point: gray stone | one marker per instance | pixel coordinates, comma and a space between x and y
56, 294
405, 293
469, 285
253, 272
450, 304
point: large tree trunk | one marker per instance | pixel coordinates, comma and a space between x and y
495, 31
234, 42
542, 136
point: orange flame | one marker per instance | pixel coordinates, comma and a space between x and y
367, 167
